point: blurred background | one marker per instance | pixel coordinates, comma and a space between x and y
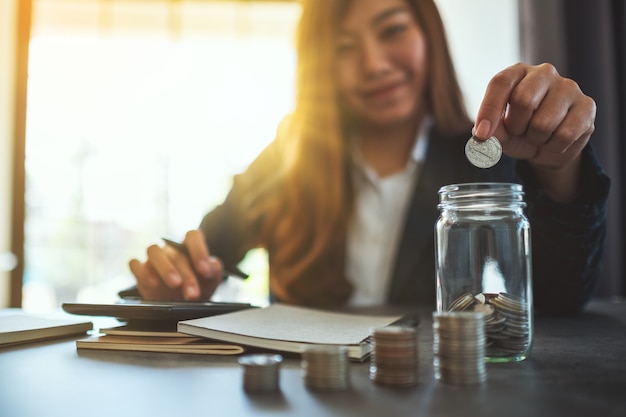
135, 115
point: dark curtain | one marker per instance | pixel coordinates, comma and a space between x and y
586, 41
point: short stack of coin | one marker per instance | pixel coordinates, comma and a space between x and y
326, 367
459, 347
394, 357
507, 321
261, 372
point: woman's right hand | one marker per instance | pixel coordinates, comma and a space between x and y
168, 274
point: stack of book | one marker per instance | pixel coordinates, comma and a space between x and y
276, 328
123, 338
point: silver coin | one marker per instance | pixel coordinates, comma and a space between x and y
507, 325
394, 359
459, 346
326, 367
483, 154
261, 372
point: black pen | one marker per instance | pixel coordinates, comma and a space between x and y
182, 248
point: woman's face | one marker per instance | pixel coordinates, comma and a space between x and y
380, 62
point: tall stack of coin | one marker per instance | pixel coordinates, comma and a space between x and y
326, 367
261, 372
507, 322
394, 358
459, 347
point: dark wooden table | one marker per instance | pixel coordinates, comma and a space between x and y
577, 368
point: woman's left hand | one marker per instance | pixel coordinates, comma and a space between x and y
541, 117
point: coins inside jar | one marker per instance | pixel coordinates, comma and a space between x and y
483, 154
507, 321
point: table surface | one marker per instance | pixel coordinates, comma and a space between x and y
577, 368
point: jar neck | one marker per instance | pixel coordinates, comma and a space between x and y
481, 196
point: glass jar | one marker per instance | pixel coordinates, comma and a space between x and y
483, 263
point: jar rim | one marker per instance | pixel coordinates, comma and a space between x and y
480, 195
482, 186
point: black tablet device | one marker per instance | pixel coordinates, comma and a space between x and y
152, 313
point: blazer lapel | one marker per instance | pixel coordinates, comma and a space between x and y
413, 278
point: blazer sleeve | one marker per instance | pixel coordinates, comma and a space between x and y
567, 239
228, 230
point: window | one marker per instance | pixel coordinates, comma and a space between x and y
139, 113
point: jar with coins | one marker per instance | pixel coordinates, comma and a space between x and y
483, 263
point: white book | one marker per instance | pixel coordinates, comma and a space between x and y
289, 328
19, 327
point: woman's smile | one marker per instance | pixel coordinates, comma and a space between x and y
384, 94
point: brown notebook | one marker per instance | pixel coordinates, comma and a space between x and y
164, 344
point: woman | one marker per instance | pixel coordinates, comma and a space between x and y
344, 199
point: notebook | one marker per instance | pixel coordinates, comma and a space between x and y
140, 331
289, 328
163, 344
19, 327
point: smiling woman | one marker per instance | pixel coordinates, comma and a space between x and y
140, 112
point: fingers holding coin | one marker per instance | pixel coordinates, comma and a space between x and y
533, 110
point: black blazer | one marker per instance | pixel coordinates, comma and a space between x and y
567, 239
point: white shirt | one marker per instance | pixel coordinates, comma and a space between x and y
375, 229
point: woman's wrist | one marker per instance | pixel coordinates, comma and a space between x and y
560, 184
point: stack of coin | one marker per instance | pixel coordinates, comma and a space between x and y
459, 347
261, 372
326, 367
507, 321
394, 357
